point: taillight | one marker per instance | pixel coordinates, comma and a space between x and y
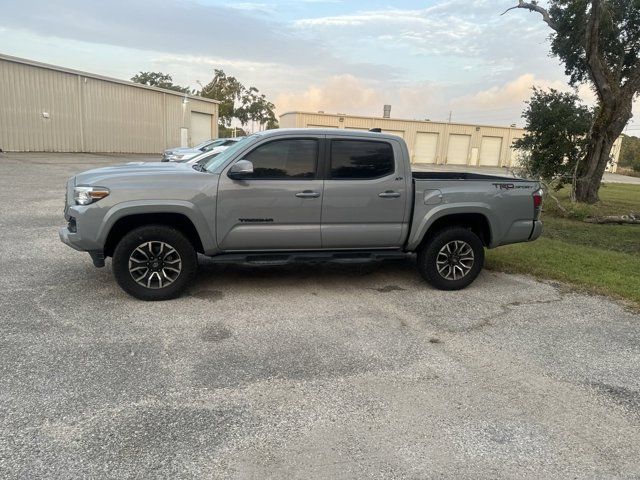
537, 199
537, 203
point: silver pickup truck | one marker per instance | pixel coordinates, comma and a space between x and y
294, 195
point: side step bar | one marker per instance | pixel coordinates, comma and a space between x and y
283, 258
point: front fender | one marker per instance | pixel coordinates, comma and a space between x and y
138, 207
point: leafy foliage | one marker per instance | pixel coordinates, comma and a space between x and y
237, 101
557, 125
159, 79
618, 38
599, 43
630, 153
228, 91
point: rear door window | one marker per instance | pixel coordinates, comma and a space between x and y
361, 159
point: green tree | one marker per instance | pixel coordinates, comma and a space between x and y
599, 43
255, 107
557, 127
630, 153
158, 79
228, 91
238, 101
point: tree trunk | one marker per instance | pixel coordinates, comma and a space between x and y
607, 127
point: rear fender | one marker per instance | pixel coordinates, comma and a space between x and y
422, 221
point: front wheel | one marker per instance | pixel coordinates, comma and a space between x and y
154, 262
452, 259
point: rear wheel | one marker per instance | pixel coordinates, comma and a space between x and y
452, 259
154, 262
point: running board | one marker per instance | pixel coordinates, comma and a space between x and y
283, 258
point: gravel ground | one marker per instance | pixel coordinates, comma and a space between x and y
298, 372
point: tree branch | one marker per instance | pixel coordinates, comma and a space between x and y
632, 218
534, 7
592, 50
632, 85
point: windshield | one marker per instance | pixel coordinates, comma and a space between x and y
203, 144
200, 156
215, 162
214, 144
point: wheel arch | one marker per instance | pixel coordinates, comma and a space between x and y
477, 222
126, 223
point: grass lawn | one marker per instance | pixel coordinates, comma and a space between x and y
601, 259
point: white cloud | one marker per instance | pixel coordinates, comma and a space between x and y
352, 95
340, 93
251, 6
512, 93
424, 30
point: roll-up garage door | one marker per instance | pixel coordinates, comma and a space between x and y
425, 147
490, 151
398, 133
200, 127
458, 151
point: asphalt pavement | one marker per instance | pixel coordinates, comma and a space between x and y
298, 372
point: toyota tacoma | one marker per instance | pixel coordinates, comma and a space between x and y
294, 195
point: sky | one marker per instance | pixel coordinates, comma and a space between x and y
428, 59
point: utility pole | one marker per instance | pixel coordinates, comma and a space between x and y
450, 112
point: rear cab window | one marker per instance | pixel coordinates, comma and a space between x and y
360, 159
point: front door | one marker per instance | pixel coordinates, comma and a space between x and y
365, 195
277, 207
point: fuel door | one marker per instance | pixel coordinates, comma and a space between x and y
432, 197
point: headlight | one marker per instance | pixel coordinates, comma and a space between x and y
88, 195
176, 157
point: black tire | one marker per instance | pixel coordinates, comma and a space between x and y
428, 256
156, 234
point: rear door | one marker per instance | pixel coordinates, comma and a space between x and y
279, 206
364, 194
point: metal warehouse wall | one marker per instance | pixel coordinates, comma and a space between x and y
50, 109
408, 129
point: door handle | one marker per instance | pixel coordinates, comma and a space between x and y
307, 194
389, 194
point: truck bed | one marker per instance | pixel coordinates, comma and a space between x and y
505, 202
460, 176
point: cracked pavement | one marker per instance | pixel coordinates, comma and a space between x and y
323, 371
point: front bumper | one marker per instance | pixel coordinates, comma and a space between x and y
71, 239
537, 230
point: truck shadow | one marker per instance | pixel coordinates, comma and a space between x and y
370, 274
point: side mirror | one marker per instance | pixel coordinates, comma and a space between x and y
241, 169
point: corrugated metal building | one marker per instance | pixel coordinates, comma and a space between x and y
45, 108
430, 142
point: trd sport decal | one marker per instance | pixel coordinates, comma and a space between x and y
509, 186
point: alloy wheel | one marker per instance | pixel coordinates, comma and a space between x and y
455, 260
155, 264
